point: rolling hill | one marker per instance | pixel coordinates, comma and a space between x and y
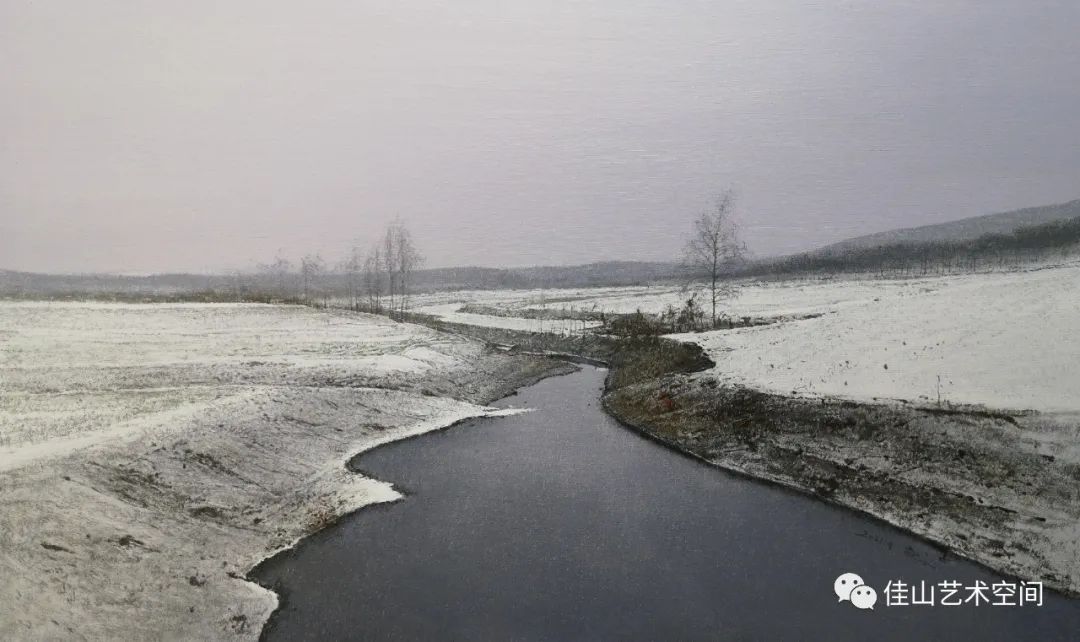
964, 229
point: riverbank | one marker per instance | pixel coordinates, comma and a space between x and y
1000, 488
559, 523
164, 465
997, 488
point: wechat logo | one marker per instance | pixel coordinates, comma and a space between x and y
851, 588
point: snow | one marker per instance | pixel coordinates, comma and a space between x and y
166, 425
1004, 340
449, 313
69, 371
759, 299
152, 455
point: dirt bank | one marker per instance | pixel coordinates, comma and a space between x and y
996, 488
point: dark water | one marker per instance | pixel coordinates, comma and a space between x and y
560, 524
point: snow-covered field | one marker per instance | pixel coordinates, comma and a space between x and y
757, 300
73, 373
450, 312
174, 446
1004, 340
447, 306
151, 455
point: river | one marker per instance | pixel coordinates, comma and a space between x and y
560, 524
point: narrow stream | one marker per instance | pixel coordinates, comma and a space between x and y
560, 524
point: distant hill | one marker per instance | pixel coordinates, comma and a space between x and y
1007, 238
964, 229
225, 286
995, 241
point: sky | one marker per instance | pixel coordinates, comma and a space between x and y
139, 136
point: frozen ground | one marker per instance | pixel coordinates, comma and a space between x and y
762, 299
74, 373
451, 312
1003, 340
153, 454
448, 306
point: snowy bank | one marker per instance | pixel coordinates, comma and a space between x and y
1004, 341
140, 521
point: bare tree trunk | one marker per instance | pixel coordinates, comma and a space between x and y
715, 244
714, 275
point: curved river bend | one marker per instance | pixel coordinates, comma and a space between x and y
560, 524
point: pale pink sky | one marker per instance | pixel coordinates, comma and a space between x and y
144, 136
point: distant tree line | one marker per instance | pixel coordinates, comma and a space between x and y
1031, 244
378, 279
281, 280
384, 275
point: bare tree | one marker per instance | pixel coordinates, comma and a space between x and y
311, 268
353, 267
389, 264
373, 281
406, 259
279, 274
238, 288
714, 244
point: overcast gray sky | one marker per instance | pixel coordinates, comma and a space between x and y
143, 136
